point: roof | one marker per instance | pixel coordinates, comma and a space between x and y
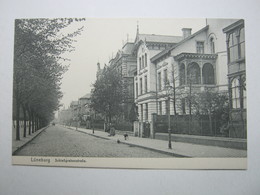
159, 38
233, 26
74, 103
127, 48
161, 54
86, 96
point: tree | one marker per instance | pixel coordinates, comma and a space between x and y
107, 95
38, 68
212, 104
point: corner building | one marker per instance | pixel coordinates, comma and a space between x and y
198, 59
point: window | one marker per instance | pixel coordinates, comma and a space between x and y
235, 93
141, 86
136, 90
146, 111
142, 111
208, 74
166, 107
193, 73
165, 77
200, 47
212, 45
145, 60
242, 43
244, 98
243, 87
232, 47
159, 81
140, 63
145, 84
182, 74
160, 108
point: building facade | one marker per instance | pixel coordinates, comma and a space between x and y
198, 60
235, 44
146, 47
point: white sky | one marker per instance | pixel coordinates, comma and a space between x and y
103, 37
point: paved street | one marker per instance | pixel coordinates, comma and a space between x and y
59, 141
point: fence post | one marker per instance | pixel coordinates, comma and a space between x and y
141, 128
136, 128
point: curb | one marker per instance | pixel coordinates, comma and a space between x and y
144, 147
157, 150
20, 147
93, 135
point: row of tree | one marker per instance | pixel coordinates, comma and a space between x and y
38, 69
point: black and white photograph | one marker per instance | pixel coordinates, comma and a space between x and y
159, 93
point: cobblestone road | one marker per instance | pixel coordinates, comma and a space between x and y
59, 141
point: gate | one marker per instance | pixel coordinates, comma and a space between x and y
146, 130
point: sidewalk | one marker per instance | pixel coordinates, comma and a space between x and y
179, 149
18, 144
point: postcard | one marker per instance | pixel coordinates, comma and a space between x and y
135, 93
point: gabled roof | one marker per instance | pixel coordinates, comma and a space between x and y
161, 54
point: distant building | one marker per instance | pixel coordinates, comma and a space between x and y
84, 106
235, 39
65, 116
125, 64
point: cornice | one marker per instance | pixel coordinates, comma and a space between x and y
183, 56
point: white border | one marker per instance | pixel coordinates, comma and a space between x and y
52, 180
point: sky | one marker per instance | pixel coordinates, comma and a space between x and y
102, 38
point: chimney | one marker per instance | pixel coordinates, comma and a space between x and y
186, 32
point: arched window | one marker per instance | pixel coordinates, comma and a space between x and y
193, 73
182, 74
212, 45
243, 88
208, 74
235, 93
142, 61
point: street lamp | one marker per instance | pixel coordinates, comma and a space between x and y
168, 89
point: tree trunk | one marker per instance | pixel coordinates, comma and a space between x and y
30, 122
38, 126
35, 123
17, 119
24, 121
